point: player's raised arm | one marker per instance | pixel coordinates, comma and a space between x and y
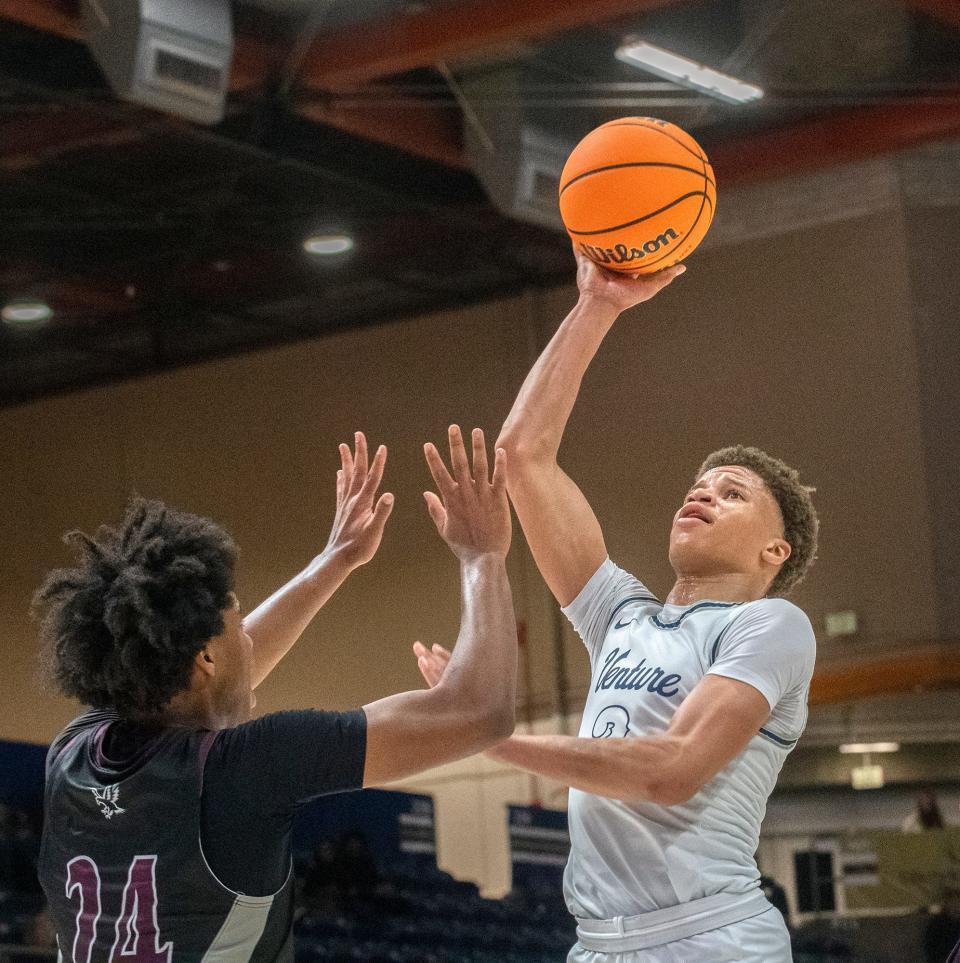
473, 707
561, 529
277, 623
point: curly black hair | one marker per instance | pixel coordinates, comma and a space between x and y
122, 628
800, 523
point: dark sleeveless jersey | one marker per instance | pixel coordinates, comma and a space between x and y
122, 860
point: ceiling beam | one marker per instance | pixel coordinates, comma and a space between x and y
424, 130
48, 16
925, 668
838, 139
946, 11
448, 32
68, 141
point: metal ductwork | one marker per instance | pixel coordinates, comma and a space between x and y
825, 45
517, 160
172, 55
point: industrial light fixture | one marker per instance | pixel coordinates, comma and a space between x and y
865, 748
25, 315
326, 244
867, 777
687, 73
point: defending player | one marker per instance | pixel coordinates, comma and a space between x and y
693, 704
167, 812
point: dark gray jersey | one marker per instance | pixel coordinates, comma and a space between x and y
122, 860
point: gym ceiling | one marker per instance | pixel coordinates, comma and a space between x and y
156, 242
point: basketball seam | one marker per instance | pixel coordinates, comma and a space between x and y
646, 217
679, 143
615, 167
696, 220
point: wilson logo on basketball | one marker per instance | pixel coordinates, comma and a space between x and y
621, 254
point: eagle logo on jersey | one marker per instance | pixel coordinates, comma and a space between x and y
612, 721
108, 800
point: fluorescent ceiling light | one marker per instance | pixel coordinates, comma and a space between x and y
688, 73
865, 747
26, 314
328, 244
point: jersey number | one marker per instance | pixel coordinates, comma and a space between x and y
136, 935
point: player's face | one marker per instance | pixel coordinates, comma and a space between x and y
232, 682
726, 525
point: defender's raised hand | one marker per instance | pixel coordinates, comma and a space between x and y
431, 662
471, 513
361, 516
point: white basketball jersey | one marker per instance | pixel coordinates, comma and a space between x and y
631, 858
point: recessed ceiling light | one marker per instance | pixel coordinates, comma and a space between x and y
869, 747
688, 73
328, 244
26, 314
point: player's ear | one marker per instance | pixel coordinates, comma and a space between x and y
204, 661
776, 552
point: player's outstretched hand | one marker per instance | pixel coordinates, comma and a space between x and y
361, 516
621, 290
471, 513
431, 662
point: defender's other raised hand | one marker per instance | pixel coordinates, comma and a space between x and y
472, 514
431, 662
361, 516
621, 291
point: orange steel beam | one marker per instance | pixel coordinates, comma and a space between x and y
838, 139
46, 15
937, 668
396, 43
946, 11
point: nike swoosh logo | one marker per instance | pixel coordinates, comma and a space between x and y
623, 625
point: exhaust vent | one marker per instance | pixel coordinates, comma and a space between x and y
172, 55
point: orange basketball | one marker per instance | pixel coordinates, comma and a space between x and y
637, 195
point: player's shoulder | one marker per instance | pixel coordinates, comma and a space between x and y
88, 721
284, 731
776, 623
776, 613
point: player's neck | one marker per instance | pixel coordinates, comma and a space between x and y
189, 709
728, 587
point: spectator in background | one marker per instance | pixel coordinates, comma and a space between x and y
19, 847
320, 893
354, 868
8, 873
943, 929
926, 815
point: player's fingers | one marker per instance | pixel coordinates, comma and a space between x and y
419, 648
440, 653
458, 456
437, 511
481, 471
382, 511
664, 277
499, 480
441, 477
375, 475
429, 671
346, 460
359, 461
